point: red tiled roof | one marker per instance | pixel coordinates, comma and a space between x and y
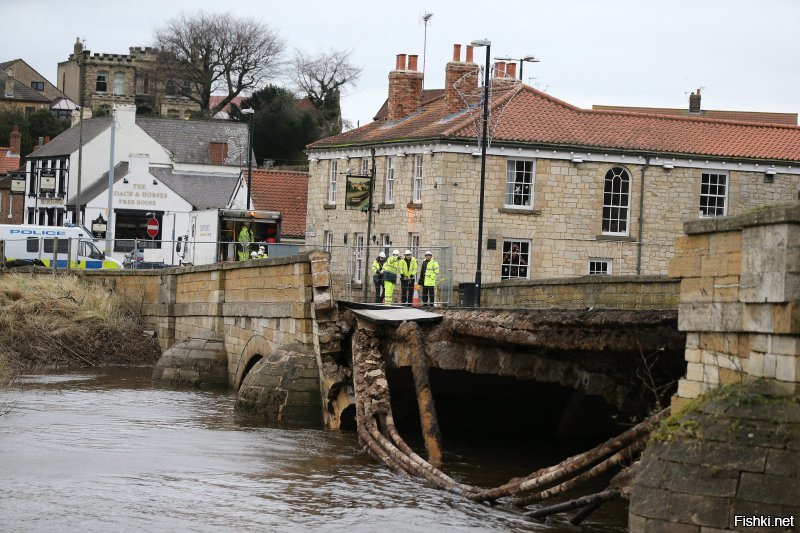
762, 117
8, 162
533, 117
428, 95
285, 191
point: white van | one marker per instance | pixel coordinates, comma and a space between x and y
33, 245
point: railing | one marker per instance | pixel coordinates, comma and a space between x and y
350, 265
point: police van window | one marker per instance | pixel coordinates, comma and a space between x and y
63, 246
88, 249
32, 245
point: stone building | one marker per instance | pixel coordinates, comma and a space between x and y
133, 79
568, 191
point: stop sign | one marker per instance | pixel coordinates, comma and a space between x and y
152, 228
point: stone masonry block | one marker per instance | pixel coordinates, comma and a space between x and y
726, 289
719, 342
697, 290
691, 389
692, 340
694, 372
785, 344
722, 317
786, 318
787, 368
699, 510
693, 355
684, 265
729, 241
757, 318
768, 489
722, 264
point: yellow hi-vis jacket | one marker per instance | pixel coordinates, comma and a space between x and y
407, 269
431, 273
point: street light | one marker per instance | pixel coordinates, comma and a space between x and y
488, 44
526, 59
251, 112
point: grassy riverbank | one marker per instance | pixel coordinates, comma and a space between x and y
65, 322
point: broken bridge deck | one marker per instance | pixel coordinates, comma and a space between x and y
393, 315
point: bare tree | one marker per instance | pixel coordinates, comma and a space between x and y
321, 77
218, 52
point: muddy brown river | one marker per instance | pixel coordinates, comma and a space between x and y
105, 450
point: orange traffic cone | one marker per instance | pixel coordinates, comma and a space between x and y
415, 298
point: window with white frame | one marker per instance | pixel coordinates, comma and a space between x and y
358, 256
413, 243
119, 83
328, 241
616, 201
416, 188
365, 169
389, 196
713, 194
519, 184
516, 259
599, 265
332, 171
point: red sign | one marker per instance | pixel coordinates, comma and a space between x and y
152, 228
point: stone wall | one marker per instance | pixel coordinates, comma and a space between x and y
740, 299
253, 306
602, 292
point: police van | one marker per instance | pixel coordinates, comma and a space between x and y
33, 245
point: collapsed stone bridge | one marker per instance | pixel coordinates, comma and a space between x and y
272, 330
500, 363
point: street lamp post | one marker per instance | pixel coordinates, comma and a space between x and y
484, 131
522, 60
251, 112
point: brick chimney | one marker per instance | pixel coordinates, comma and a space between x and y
505, 75
453, 72
405, 88
15, 141
694, 102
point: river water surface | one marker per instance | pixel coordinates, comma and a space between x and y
105, 450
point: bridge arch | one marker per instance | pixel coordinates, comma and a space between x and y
256, 348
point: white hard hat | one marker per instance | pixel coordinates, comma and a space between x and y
408, 252
396, 252
253, 254
428, 253
261, 247
381, 254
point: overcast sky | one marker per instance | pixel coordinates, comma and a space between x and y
744, 54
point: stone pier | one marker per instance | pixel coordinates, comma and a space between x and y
732, 446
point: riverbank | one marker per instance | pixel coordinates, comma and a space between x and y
65, 322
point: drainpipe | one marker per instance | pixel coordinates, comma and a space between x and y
641, 217
367, 280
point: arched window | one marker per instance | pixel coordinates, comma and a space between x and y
616, 201
119, 83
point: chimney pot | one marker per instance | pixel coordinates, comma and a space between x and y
401, 62
412, 62
456, 52
469, 54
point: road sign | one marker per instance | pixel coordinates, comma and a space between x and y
152, 228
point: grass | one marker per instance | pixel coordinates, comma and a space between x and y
66, 322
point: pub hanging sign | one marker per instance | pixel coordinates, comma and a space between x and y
17, 183
47, 180
99, 227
